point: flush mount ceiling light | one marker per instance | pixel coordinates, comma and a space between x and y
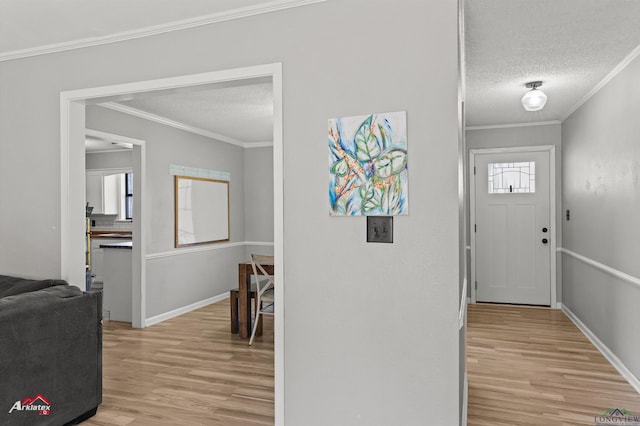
534, 99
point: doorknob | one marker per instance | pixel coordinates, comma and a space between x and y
545, 241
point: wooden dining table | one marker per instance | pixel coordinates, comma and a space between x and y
244, 300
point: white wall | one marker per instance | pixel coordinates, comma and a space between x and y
601, 174
509, 137
371, 336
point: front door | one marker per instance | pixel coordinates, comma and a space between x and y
512, 228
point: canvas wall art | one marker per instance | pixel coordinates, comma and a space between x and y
368, 173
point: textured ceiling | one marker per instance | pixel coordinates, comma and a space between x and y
242, 111
571, 45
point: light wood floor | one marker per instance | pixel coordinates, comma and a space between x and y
189, 370
532, 366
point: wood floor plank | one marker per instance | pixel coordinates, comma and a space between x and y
532, 366
526, 366
189, 370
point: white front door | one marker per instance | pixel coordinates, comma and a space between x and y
512, 228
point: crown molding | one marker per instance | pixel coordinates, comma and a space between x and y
172, 123
507, 126
184, 24
112, 137
108, 151
613, 73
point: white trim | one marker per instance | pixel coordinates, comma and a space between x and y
463, 305
555, 233
185, 309
259, 243
184, 24
192, 250
536, 148
113, 169
608, 269
279, 245
551, 149
70, 104
208, 247
507, 126
559, 305
171, 123
612, 74
112, 137
107, 151
606, 352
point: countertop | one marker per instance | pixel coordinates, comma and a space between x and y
111, 234
120, 245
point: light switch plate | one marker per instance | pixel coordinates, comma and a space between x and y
380, 229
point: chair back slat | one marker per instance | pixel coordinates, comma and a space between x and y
264, 283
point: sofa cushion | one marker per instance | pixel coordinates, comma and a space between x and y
10, 286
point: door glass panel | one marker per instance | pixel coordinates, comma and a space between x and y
511, 178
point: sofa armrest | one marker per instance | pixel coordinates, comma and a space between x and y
51, 349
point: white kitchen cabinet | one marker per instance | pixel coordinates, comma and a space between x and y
103, 191
94, 191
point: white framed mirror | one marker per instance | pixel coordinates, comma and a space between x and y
201, 211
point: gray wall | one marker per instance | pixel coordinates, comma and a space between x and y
179, 280
258, 194
523, 136
371, 336
164, 146
258, 200
108, 160
602, 189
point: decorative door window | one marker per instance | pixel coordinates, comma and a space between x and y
512, 178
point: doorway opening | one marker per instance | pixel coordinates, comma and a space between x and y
72, 129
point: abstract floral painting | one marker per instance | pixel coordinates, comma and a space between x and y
368, 173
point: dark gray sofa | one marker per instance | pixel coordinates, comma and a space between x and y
50, 352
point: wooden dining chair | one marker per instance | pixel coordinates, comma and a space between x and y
264, 289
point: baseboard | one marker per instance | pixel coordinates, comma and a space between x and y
185, 309
465, 401
606, 352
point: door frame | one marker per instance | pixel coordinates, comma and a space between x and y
72, 192
551, 149
138, 168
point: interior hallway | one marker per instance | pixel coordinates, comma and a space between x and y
532, 366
